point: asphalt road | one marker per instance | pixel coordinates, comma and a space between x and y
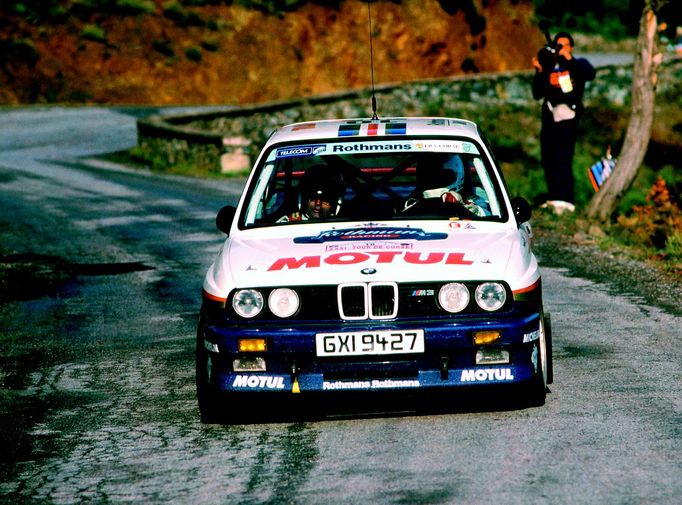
103, 271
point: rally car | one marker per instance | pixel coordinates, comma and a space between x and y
372, 255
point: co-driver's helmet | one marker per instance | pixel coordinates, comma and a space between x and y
440, 173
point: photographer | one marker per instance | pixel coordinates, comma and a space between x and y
560, 79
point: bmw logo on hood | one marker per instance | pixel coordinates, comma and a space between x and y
368, 271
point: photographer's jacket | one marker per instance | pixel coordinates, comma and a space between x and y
565, 83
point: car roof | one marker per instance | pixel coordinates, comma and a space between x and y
349, 128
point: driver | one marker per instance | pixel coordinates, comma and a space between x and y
320, 195
447, 183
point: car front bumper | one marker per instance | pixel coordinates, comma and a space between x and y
289, 363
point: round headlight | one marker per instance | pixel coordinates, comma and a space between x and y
490, 296
283, 302
247, 302
453, 297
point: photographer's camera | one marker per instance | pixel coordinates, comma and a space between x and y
548, 55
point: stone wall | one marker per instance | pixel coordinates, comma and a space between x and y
239, 133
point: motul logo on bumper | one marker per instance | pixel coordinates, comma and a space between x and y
258, 381
487, 374
354, 258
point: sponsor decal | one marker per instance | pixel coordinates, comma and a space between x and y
370, 234
460, 225
446, 146
377, 246
300, 151
258, 382
357, 147
531, 337
373, 384
354, 258
486, 375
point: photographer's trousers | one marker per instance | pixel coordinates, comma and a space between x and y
557, 143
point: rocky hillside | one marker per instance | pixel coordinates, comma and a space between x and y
214, 52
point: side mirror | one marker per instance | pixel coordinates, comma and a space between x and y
223, 220
521, 209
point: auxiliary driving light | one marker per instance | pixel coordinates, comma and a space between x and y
251, 345
486, 337
492, 357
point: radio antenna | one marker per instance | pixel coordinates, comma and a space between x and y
371, 62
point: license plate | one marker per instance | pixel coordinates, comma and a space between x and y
370, 343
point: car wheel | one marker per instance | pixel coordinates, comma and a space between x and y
548, 345
207, 399
537, 391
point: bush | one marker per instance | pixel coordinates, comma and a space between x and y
94, 33
135, 7
174, 11
656, 224
193, 54
163, 47
21, 50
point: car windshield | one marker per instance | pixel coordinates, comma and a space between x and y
374, 180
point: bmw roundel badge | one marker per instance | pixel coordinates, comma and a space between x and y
368, 271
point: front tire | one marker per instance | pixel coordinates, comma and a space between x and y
206, 397
537, 391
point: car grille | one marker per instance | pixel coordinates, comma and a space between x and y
361, 301
374, 300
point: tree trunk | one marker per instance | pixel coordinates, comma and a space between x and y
644, 80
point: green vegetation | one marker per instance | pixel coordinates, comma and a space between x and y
193, 54
94, 33
612, 19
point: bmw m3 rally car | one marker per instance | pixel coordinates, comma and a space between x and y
372, 255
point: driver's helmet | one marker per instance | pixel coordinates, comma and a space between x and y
440, 173
324, 182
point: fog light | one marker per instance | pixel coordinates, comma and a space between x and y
492, 357
248, 365
251, 345
486, 337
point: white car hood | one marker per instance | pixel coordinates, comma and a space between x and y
311, 254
